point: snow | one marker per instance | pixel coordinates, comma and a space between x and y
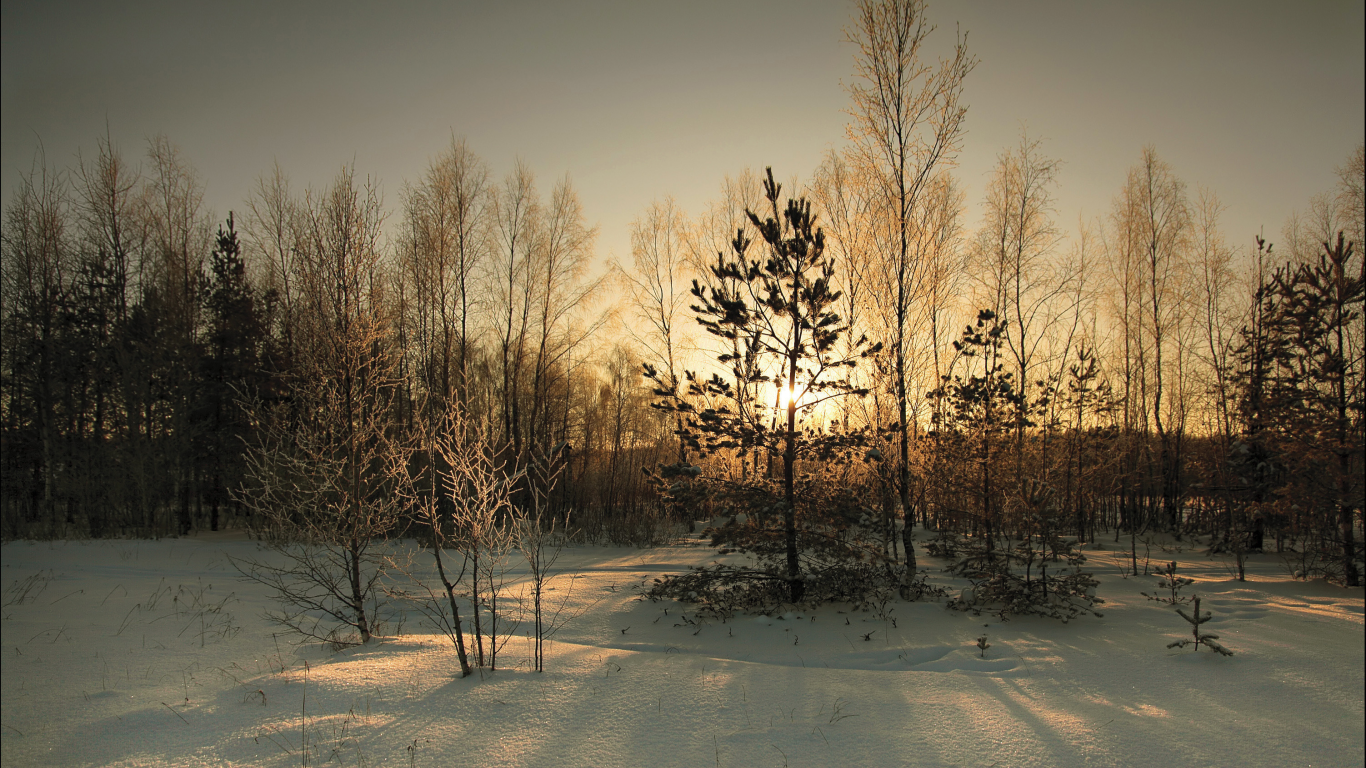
136, 653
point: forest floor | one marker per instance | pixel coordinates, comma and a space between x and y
139, 653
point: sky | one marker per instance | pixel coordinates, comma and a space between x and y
635, 101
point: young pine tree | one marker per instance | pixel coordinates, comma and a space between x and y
776, 311
1198, 638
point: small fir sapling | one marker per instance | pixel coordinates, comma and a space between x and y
1197, 637
983, 645
1171, 582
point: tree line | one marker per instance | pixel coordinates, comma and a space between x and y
980, 381
149, 352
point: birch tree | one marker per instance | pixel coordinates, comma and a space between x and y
907, 124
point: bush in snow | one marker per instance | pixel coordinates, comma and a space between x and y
1063, 596
721, 591
1016, 580
842, 554
1198, 638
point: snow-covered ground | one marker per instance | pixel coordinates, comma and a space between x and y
156, 653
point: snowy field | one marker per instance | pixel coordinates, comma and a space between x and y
138, 653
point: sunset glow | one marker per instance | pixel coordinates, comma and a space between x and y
616, 384
804, 397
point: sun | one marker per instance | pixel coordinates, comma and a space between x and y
785, 396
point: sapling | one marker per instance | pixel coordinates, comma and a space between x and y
540, 542
1171, 582
462, 496
1197, 637
983, 645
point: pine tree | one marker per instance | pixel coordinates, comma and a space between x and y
1322, 305
1301, 405
231, 365
778, 309
982, 409
1197, 639
1171, 582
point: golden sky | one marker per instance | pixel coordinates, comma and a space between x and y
637, 100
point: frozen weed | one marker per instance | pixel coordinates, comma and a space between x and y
28, 589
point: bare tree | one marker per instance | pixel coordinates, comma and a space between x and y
178, 232
1341, 210
35, 279
1218, 319
562, 256
1016, 244
113, 239
479, 488
516, 221
318, 479
1152, 238
442, 244
178, 239
315, 494
1351, 195
274, 226
656, 285
105, 188
451, 477
540, 538
907, 124
838, 194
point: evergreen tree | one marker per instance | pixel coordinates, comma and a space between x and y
1322, 302
1301, 402
982, 409
778, 309
231, 365
1198, 638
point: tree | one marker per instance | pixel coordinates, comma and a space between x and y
1322, 302
542, 256
982, 407
1089, 398
562, 257
631, 426
1351, 195
314, 488
656, 285
113, 241
450, 478
1015, 243
716, 229
1341, 210
541, 543
1152, 221
231, 366
177, 241
1197, 638
36, 269
907, 124
782, 313
274, 235
318, 478
444, 242
516, 221
1259, 373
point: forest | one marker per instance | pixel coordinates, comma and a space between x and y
845, 368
